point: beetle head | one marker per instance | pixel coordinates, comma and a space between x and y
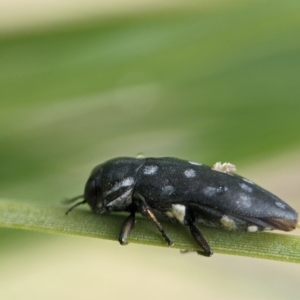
110, 185
92, 192
93, 195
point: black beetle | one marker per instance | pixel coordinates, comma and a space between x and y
186, 192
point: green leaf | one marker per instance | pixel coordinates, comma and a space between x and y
81, 222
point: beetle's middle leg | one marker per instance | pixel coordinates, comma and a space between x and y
145, 209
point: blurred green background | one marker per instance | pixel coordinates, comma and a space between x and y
206, 81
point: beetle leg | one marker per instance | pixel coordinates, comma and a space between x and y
200, 240
145, 209
127, 228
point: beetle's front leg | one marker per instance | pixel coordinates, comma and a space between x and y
127, 228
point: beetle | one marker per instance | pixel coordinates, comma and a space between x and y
185, 192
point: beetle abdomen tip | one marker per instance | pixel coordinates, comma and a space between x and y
283, 224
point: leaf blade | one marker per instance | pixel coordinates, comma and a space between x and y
52, 219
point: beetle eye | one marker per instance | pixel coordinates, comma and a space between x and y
92, 192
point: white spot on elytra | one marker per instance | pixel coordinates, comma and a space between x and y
222, 189
124, 183
210, 191
245, 187
178, 212
228, 223
195, 163
168, 190
150, 170
247, 180
252, 228
279, 204
227, 168
189, 173
245, 201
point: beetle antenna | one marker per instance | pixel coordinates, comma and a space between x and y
71, 200
76, 204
